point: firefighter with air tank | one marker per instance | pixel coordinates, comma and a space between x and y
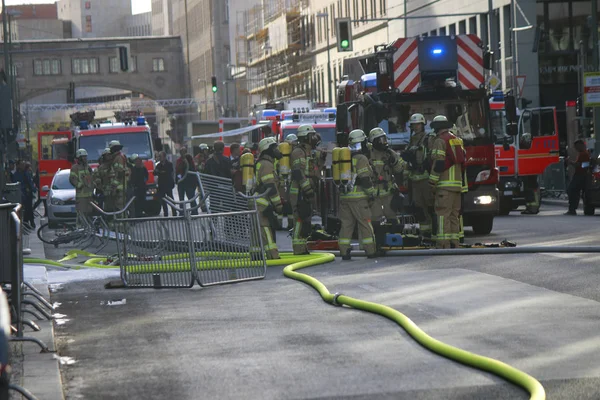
387, 168
284, 172
302, 190
447, 180
81, 178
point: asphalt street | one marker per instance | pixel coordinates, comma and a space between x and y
276, 338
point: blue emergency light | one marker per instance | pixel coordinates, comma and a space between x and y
270, 113
437, 52
84, 125
141, 121
369, 80
498, 96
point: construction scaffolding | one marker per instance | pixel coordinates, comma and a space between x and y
272, 46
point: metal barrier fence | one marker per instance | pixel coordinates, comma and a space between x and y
554, 179
170, 252
220, 194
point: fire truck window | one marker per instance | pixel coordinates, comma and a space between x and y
547, 123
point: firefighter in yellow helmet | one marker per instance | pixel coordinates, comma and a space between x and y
302, 192
81, 178
448, 181
284, 182
417, 158
269, 206
356, 200
387, 177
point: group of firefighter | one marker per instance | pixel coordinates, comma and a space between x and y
368, 174
110, 179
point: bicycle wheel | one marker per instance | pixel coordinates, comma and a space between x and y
56, 238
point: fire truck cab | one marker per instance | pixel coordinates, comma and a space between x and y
53, 155
432, 76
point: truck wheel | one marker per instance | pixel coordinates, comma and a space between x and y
588, 209
483, 225
505, 207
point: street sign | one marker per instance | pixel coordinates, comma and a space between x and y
494, 82
521, 84
591, 89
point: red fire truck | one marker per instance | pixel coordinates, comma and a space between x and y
132, 132
431, 76
537, 145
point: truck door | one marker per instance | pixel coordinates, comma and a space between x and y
53, 154
538, 140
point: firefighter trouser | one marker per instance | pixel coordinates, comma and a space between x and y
84, 208
267, 232
532, 194
423, 200
447, 209
356, 212
302, 226
287, 208
382, 207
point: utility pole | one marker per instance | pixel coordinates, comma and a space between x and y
513, 33
8, 79
596, 63
329, 67
492, 39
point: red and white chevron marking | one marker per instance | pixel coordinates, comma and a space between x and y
406, 65
470, 62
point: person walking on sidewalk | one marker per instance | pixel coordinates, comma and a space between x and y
577, 185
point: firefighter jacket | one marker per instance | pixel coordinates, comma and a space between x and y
301, 162
420, 145
362, 185
266, 179
118, 173
386, 165
100, 174
448, 163
81, 178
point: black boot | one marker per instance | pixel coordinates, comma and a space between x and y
347, 256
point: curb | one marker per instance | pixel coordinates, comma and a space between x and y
41, 371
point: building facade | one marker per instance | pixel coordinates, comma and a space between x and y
95, 18
138, 24
36, 21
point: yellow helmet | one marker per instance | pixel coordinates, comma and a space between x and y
304, 130
356, 136
375, 133
267, 142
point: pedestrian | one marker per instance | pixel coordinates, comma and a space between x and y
302, 191
448, 181
417, 158
166, 182
138, 181
218, 164
81, 178
186, 180
356, 201
577, 185
387, 177
266, 179
201, 158
36, 181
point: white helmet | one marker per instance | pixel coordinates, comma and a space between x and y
291, 138
106, 151
375, 133
356, 136
304, 130
80, 153
267, 142
134, 157
417, 119
115, 143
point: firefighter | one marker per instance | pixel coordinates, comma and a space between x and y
81, 178
283, 169
119, 175
448, 181
387, 176
302, 192
99, 177
356, 200
268, 208
292, 139
417, 159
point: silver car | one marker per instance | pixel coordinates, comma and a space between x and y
61, 199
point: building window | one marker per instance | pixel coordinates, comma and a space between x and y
443, 31
114, 66
332, 18
88, 23
424, 34
462, 27
507, 40
382, 7
88, 5
133, 63
473, 25
158, 64
347, 8
452, 29
483, 27
364, 9
85, 66
46, 67
355, 11
433, 33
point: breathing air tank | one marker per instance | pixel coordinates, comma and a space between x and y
247, 165
335, 164
345, 165
284, 163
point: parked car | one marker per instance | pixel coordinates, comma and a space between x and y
61, 200
591, 199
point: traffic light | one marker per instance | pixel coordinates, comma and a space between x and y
124, 57
525, 103
344, 34
214, 84
579, 107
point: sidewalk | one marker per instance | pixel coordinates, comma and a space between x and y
37, 372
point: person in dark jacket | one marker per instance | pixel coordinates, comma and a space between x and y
24, 175
186, 185
166, 182
138, 180
236, 171
218, 164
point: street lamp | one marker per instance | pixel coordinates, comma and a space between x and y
326, 16
266, 48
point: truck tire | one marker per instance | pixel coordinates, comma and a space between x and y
483, 225
588, 209
506, 206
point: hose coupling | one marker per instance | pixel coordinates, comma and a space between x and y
335, 298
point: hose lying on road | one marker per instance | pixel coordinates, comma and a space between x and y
498, 368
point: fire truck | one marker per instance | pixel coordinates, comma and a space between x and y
432, 76
536, 144
132, 131
53, 155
